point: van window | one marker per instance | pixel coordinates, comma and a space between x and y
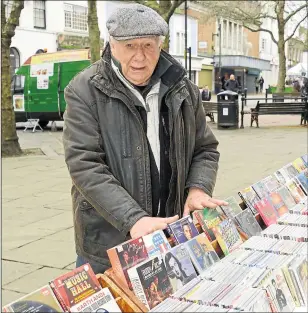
18, 84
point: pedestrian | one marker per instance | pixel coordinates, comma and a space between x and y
257, 84
261, 82
136, 142
232, 84
296, 86
206, 94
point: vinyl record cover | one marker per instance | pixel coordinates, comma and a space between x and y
154, 281
302, 178
299, 164
248, 223
260, 189
179, 267
183, 230
282, 176
227, 236
201, 252
267, 211
41, 300
290, 170
295, 190
232, 208
305, 159
271, 183
249, 196
75, 286
156, 243
277, 201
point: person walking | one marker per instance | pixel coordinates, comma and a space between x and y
136, 143
257, 84
261, 82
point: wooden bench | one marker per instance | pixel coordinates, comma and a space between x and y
280, 96
278, 108
210, 108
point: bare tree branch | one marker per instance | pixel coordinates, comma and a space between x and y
260, 29
294, 12
13, 20
175, 5
288, 38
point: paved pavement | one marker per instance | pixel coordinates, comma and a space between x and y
37, 242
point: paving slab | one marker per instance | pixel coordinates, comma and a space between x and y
8, 296
15, 270
64, 235
46, 252
34, 280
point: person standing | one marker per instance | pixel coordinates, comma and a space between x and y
136, 143
257, 84
232, 84
206, 94
261, 82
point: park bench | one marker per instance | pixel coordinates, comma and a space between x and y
263, 108
210, 108
281, 96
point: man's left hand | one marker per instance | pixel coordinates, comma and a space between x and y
197, 200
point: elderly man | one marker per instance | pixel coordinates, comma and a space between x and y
136, 143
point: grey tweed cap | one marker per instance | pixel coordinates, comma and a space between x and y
136, 21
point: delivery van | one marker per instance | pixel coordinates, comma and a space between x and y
38, 85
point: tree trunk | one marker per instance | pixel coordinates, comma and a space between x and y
281, 47
9, 141
94, 32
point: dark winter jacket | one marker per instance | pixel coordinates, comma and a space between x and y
107, 154
232, 85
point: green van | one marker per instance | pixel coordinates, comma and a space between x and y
38, 85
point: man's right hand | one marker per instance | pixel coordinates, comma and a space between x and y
147, 225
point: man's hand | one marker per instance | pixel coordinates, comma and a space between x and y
197, 200
147, 225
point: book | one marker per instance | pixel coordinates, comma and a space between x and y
232, 208
208, 218
102, 301
179, 267
125, 256
267, 211
156, 243
299, 269
201, 252
295, 190
75, 286
227, 236
277, 201
249, 197
150, 281
183, 230
286, 196
41, 300
271, 183
290, 170
305, 159
282, 176
302, 179
299, 164
248, 223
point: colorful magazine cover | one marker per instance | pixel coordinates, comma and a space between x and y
302, 274
277, 201
305, 159
179, 267
299, 164
286, 196
260, 189
302, 179
156, 243
202, 253
150, 281
248, 223
41, 300
183, 230
290, 170
75, 286
271, 183
249, 196
295, 190
227, 236
267, 211
232, 208
282, 176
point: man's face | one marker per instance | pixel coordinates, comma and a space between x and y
175, 268
187, 232
138, 58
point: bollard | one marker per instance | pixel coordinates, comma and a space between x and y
242, 111
245, 91
53, 126
266, 93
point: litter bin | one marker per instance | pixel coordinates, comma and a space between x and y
227, 110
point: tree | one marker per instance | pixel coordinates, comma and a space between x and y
252, 14
9, 141
165, 9
94, 32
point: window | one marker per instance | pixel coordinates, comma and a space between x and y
14, 60
240, 31
180, 43
76, 17
230, 35
263, 44
39, 15
224, 34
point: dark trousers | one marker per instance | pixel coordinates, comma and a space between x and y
97, 268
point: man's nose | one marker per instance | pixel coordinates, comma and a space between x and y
139, 56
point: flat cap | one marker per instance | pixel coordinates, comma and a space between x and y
136, 21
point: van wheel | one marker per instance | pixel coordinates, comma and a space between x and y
43, 124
